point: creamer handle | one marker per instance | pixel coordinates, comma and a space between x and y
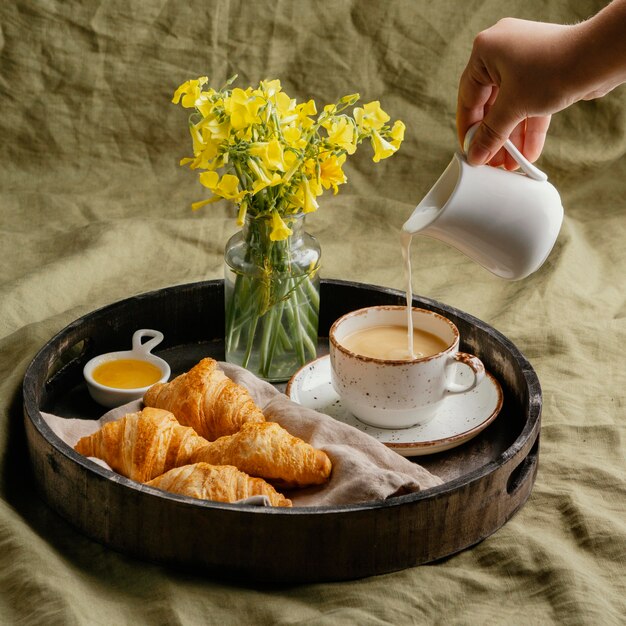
529, 169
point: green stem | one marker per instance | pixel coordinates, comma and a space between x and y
310, 297
246, 358
232, 338
313, 294
296, 327
285, 341
273, 324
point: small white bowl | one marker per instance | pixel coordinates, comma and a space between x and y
111, 397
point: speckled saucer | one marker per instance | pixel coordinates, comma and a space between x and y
461, 417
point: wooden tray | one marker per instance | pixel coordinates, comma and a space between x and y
485, 480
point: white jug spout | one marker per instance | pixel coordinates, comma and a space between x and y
421, 217
435, 200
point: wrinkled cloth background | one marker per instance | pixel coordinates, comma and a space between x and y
94, 208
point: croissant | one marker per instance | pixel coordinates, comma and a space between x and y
223, 483
207, 400
142, 445
267, 450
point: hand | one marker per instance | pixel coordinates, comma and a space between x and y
521, 72
513, 82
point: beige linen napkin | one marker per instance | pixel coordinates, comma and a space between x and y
364, 469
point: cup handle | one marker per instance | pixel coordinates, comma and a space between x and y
145, 348
529, 169
475, 364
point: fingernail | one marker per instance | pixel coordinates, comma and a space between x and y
477, 155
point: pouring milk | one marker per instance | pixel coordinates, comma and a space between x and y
508, 222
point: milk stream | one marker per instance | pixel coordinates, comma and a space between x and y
405, 240
420, 218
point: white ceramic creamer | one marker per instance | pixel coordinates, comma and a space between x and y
506, 221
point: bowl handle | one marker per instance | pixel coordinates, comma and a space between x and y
145, 348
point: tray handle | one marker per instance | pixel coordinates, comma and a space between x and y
67, 361
523, 469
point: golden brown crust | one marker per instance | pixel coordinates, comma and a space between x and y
221, 483
267, 450
162, 445
205, 399
142, 445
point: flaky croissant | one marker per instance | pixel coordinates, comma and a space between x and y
222, 483
142, 445
267, 450
207, 400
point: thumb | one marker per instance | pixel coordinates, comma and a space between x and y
496, 127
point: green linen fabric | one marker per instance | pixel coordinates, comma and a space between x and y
94, 208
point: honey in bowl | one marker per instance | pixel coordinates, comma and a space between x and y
126, 374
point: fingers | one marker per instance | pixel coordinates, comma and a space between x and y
476, 92
517, 139
500, 156
481, 98
493, 131
535, 136
529, 137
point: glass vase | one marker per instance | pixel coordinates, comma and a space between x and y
271, 291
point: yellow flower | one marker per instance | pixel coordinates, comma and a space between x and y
280, 230
227, 187
382, 148
197, 139
219, 130
262, 177
189, 91
331, 173
285, 154
210, 179
270, 87
303, 111
241, 214
341, 134
307, 108
284, 105
293, 164
309, 203
310, 168
262, 184
350, 99
292, 136
316, 188
206, 158
206, 103
198, 205
370, 117
397, 134
244, 108
270, 153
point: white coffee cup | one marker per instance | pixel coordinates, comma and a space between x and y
399, 393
